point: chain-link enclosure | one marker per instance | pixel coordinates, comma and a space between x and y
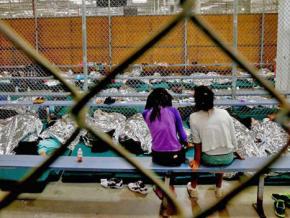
88, 41
92, 43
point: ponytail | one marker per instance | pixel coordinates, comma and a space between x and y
155, 113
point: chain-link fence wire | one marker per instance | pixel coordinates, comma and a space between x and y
57, 33
282, 115
80, 115
242, 109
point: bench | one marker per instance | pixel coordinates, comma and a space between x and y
117, 164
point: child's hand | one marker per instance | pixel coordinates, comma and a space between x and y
194, 164
189, 145
43, 154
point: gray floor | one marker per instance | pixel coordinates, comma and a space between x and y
92, 200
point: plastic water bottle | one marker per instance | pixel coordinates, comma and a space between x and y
80, 155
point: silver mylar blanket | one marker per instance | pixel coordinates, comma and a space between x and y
265, 137
62, 130
108, 121
136, 129
270, 135
246, 141
17, 128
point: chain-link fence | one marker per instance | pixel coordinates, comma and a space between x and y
87, 40
87, 46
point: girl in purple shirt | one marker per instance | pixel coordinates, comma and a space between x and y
165, 125
168, 135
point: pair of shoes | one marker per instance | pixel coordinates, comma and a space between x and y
218, 192
279, 207
112, 183
139, 187
192, 192
284, 197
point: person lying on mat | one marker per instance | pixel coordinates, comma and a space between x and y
47, 146
213, 136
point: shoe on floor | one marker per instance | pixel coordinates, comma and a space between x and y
284, 197
279, 206
112, 183
139, 187
192, 192
218, 192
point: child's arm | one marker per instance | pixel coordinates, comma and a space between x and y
179, 127
195, 163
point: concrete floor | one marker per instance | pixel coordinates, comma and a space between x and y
91, 200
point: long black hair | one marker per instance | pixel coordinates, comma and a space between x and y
159, 97
203, 97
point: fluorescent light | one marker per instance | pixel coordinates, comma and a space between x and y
139, 1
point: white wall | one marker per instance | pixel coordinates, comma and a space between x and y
283, 47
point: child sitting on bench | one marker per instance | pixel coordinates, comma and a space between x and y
213, 137
165, 125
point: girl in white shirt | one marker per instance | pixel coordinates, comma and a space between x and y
213, 137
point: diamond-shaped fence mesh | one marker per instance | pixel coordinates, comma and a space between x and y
86, 52
114, 31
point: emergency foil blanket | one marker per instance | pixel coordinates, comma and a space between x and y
269, 135
247, 147
108, 122
62, 130
136, 129
17, 128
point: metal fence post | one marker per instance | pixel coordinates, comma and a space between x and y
235, 45
35, 23
110, 36
262, 37
185, 51
84, 43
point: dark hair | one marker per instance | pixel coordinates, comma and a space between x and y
203, 98
159, 97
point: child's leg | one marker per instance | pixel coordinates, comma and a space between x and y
219, 179
171, 184
191, 186
160, 193
194, 180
